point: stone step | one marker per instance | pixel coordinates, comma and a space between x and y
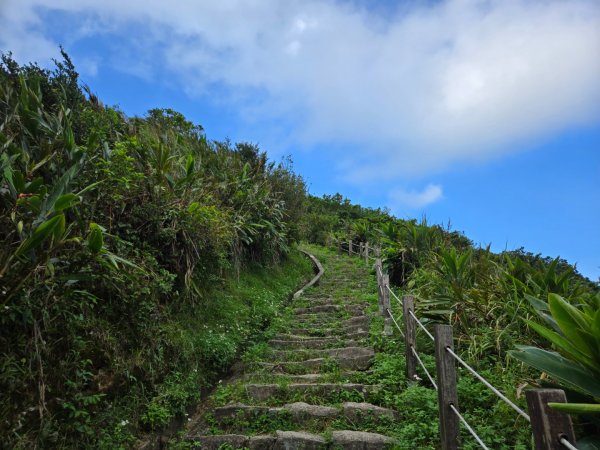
361, 440
316, 320
305, 337
346, 362
300, 337
327, 308
317, 331
262, 392
346, 375
327, 316
340, 352
296, 440
363, 321
301, 412
305, 344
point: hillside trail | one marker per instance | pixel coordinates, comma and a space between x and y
308, 386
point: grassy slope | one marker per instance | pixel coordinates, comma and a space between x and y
208, 339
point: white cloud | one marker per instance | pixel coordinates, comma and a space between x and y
410, 93
415, 199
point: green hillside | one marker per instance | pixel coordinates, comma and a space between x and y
139, 259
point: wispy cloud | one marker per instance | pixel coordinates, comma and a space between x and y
416, 199
409, 93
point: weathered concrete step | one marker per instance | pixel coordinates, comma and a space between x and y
290, 344
316, 331
317, 317
340, 352
296, 440
346, 375
306, 338
327, 308
326, 316
299, 337
353, 362
362, 321
262, 392
361, 440
330, 310
301, 412
356, 321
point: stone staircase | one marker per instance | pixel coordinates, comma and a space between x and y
307, 389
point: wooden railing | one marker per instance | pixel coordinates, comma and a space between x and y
552, 430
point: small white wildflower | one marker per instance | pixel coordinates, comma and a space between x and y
124, 422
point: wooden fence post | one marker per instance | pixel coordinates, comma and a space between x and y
349, 247
367, 253
387, 318
410, 334
549, 425
361, 248
339, 246
446, 381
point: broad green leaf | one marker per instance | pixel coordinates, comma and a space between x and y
8, 176
95, 239
189, 165
543, 310
570, 320
576, 408
33, 186
19, 181
65, 201
33, 203
41, 233
42, 162
564, 345
60, 187
89, 188
562, 369
59, 229
114, 260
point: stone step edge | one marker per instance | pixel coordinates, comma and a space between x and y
297, 439
262, 392
352, 411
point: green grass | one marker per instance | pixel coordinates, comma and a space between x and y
205, 340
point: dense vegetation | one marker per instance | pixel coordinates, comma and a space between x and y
121, 241
137, 258
504, 308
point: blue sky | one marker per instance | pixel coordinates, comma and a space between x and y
485, 113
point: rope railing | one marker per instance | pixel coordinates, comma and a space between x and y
396, 323
541, 416
414, 352
468, 427
489, 385
394, 294
565, 443
422, 326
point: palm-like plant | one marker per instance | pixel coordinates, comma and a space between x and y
574, 332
